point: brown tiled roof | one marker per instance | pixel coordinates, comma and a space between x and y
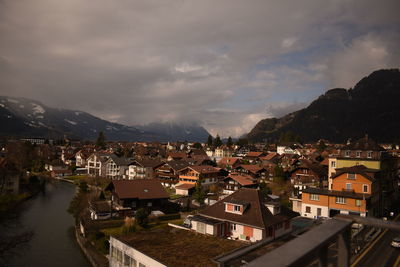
256, 214
359, 169
242, 179
184, 186
270, 156
204, 169
151, 163
254, 154
229, 161
251, 168
139, 188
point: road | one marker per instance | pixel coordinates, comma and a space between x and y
380, 253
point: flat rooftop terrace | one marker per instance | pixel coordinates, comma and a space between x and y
176, 247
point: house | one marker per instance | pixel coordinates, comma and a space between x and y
117, 167
96, 164
207, 175
254, 171
143, 168
272, 157
168, 172
355, 190
254, 156
223, 152
81, 157
288, 148
244, 215
236, 181
228, 163
364, 151
130, 195
167, 246
184, 189
174, 155
308, 174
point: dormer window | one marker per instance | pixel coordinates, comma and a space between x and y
235, 207
351, 176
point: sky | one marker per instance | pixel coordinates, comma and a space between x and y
222, 64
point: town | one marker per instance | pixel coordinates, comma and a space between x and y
216, 203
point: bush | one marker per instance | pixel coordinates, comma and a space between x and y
142, 217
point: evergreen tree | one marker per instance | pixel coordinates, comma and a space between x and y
217, 141
210, 140
197, 146
199, 194
101, 141
229, 143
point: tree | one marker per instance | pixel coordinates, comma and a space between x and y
279, 173
265, 190
197, 145
210, 140
229, 143
242, 142
217, 141
142, 217
199, 195
101, 141
321, 146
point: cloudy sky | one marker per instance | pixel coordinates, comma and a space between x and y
222, 64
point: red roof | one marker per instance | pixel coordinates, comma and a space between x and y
254, 154
242, 179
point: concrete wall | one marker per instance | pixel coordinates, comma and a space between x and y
313, 213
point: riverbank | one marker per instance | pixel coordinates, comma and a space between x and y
27, 191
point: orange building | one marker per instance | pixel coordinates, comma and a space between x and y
355, 190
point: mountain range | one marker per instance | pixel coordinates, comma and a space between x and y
24, 117
372, 107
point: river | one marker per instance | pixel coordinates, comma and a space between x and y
53, 241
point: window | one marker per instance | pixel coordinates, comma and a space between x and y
369, 154
236, 208
347, 153
333, 164
128, 261
358, 202
319, 211
365, 188
348, 186
233, 227
314, 197
358, 154
340, 200
279, 226
351, 176
141, 265
308, 209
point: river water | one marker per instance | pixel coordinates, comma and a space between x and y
53, 241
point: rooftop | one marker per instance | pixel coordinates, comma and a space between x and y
175, 247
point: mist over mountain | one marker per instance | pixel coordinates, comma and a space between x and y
371, 107
24, 117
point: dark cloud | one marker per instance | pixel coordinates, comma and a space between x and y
219, 63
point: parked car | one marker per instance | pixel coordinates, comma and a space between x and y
396, 242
